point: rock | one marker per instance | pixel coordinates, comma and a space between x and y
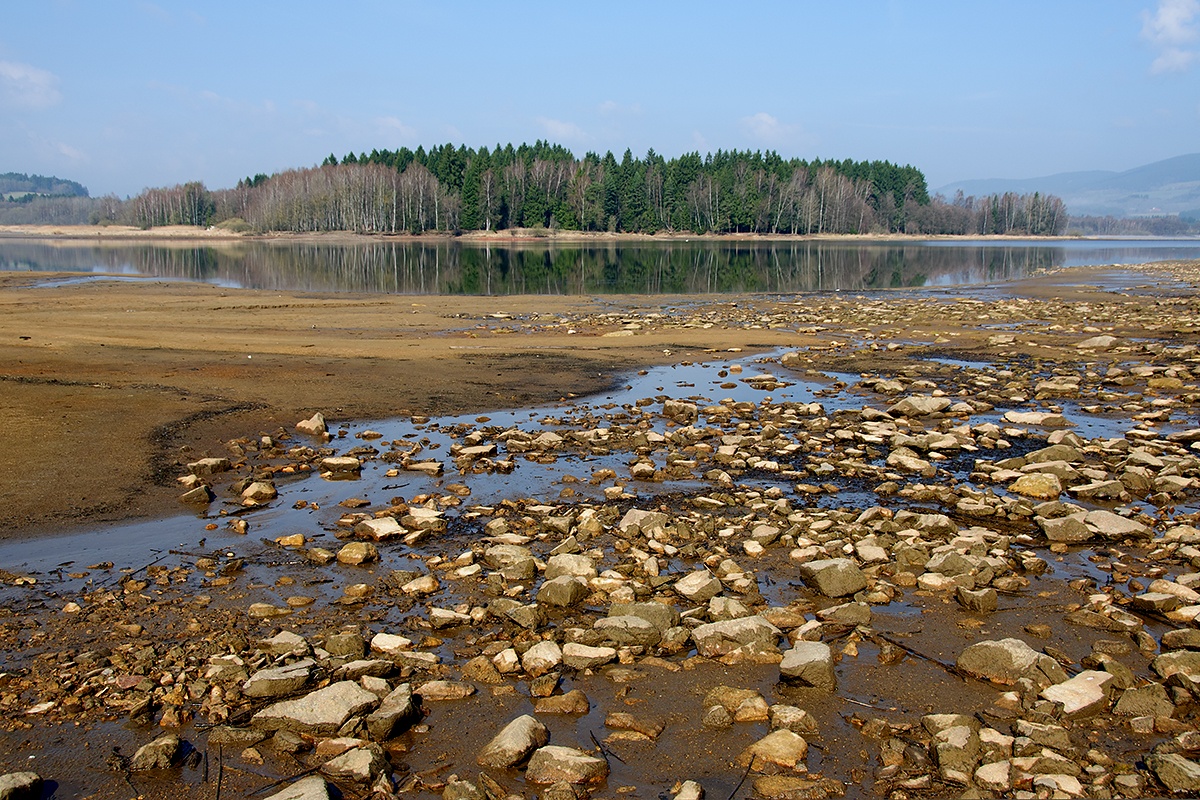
258, 493
514, 743
846, 614
782, 748
580, 656
1071, 529
720, 638
983, 601
570, 564
628, 630
313, 426
660, 615
20, 786
1151, 700
463, 790
397, 711
573, 702
1177, 773
1008, 660
321, 713
362, 765
445, 690
743, 705
199, 496
389, 644
279, 681
793, 719
1112, 526
346, 643
266, 611
285, 643
1104, 342
440, 618
209, 466
341, 466
162, 753
552, 764
311, 788
1084, 694
645, 522
543, 657
1179, 667
809, 664
919, 406
563, 591
624, 721
956, 751
698, 587
689, 790
380, 529
356, 553
792, 787
1039, 485
834, 577
1043, 419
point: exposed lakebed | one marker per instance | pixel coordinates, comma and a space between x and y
630, 569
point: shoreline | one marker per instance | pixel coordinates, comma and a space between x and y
522, 236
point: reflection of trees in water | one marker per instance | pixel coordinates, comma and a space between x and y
612, 268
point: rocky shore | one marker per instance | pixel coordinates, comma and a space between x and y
942, 544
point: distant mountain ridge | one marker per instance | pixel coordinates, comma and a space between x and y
1170, 186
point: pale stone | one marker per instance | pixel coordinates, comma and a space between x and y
514, 743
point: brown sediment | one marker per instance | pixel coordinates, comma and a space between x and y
110, 388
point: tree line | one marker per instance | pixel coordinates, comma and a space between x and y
544, 186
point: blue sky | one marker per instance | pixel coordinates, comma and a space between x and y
124, 94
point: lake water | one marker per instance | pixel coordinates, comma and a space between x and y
675, 267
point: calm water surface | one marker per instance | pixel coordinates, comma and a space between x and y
677, 267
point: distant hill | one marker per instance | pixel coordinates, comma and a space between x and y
18, 184
1171, 186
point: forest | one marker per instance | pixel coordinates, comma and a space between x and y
544, 186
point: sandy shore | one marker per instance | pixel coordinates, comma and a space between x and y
215, 235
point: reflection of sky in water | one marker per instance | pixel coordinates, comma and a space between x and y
1089, 252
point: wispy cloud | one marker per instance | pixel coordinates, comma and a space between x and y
26, 86
769, 131
558, 130
1171, 30
394, 127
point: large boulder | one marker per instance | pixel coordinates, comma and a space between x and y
321, 713
514, 743
809, 664
162, 753
398, 710
555, 764
720, 638
20, 786
279, 681
834, 577
1177, 773
1006, 661
698, 586
628, 630
311, 788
